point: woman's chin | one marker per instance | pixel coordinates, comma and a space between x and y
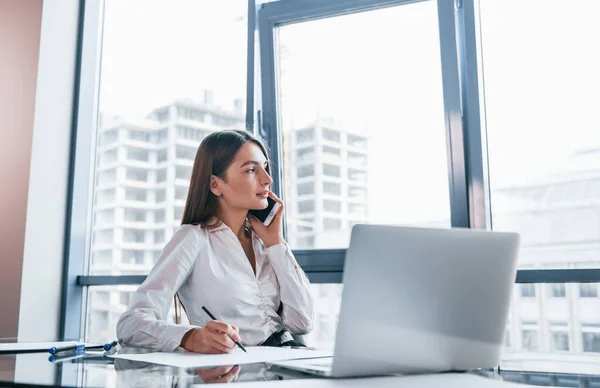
263, 203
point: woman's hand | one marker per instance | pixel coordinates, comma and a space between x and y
272, 234
215, 337
221, 374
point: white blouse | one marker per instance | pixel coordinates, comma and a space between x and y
208, 267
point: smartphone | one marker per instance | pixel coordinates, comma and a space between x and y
267, 214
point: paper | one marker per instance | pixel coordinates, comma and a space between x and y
236, 357
446, 380
23, 347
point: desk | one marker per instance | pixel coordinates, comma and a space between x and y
34, 369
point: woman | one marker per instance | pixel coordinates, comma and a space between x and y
223, 258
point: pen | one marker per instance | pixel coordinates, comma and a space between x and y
66, 357
215, 319
72, 348
106, 347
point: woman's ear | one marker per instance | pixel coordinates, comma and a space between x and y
215, 185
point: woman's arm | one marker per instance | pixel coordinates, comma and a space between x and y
296, 298
144, 323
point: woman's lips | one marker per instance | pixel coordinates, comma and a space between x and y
263, 194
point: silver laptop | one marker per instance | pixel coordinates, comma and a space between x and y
420, 300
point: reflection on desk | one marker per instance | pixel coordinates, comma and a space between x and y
94, 370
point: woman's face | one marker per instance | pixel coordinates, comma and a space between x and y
246, 180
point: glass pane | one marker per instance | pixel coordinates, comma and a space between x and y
328, 298
363, 123
553, 322
105, 306
541, 98
179, 75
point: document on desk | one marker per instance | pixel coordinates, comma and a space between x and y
236, 357
30, 347
445, 380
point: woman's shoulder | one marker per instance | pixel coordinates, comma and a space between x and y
191, 231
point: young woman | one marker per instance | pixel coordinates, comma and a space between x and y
224, 259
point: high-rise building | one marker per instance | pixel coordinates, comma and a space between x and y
326, 184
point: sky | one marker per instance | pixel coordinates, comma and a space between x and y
377, 71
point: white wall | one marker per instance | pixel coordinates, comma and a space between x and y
20, 23
48, 182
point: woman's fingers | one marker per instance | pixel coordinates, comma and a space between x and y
224, 340
229, 376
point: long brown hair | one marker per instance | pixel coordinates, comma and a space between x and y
214, 156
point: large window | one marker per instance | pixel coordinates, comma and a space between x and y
367, 133
365, 130
540, 84
164, 85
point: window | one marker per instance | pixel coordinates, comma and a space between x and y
139, 195
139, 135
531, 340
332, 188
133, 236
138, 154
357, 141
332, 170
306, 188
305, 155
153, 103
161, 196
557, 290
135, 215
161, 175
133, 257
159, 216
109, 137
560, 340
527, 290
305, 224
588, 290
590, 339
332, 206
159, 236
184, 173
306, 171
332, 135
559, 336
136, 174
332, 223
306, 206
357, 175
305, 135
332, 150
161, 155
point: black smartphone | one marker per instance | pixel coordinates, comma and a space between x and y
267, 214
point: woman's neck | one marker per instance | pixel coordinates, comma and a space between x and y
235, 220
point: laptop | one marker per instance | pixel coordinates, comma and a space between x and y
420, 300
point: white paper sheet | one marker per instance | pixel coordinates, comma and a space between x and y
445, 380
31, 346
236, 357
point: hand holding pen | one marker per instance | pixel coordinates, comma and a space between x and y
215, 337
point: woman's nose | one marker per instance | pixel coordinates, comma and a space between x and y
267, 180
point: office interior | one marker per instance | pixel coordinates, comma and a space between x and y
435, 113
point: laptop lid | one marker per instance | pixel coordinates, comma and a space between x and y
423, 300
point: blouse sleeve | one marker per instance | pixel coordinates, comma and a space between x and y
144, 323
296, 298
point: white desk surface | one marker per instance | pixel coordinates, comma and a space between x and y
443, 380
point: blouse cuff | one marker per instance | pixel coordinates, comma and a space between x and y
174, 334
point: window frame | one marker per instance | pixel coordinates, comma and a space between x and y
465, 134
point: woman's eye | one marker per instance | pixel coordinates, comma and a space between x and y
250, 170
